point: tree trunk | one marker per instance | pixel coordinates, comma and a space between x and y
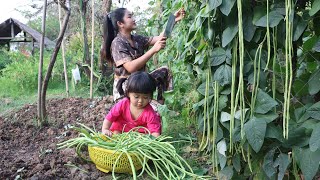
105, 70
41, 116
53, 60
106, 6
86, 58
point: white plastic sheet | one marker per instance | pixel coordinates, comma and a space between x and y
76, 74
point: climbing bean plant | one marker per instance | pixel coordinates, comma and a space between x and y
257, 68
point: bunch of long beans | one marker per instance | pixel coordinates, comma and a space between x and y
146, 148
289, 71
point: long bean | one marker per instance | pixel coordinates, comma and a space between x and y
256, 75
241, 60
268, 37
288, 79
215, 125
233, 82
134, 145
206, 122
274, 65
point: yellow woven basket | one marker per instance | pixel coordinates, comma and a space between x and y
104, 160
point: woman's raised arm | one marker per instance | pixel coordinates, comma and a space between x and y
137, 64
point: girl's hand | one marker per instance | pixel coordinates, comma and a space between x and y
107, 132
160, 44
179, 14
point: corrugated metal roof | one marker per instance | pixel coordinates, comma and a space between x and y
5, 31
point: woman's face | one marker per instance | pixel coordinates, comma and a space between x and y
129, 22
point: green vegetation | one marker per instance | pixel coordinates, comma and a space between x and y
246, 76
255, 64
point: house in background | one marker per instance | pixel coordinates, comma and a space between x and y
13, 32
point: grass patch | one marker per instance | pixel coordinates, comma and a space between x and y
10, 103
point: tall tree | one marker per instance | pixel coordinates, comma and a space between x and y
86, 58
43, 29
106, 7
54, 57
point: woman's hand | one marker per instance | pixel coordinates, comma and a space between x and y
179, 14
160, 44
107, 132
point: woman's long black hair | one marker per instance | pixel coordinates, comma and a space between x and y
110, 30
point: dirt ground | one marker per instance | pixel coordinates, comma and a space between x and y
30, 152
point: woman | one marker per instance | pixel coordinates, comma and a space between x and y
126, 51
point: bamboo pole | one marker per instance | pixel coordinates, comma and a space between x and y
92, 51
43, 29
63, 52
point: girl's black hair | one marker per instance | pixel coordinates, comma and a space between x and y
138, 82
110, 30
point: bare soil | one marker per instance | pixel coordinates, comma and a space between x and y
30, 152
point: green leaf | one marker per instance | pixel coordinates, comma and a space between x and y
264, 102
218, 56
219, 134
225, 117
274, 19
315, 7
258, 13
202, 88
308, 161
237, 114
228, 34
222, 160
210, 28
310, 125
236, 162
223, 75
255, 130
248, 28
314, 85
310, 43
301, 25
269, 117
283, 162
279, 6
274, 132
223, 100
316, 47
314, 111
200, 171
226, 173
214, 4
314, 142
199, 58
226, 6
297, 136
222, 147
301, 114
268, 166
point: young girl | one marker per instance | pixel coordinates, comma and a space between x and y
134, 110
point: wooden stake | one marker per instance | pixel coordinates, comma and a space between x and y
63, 52
92, 51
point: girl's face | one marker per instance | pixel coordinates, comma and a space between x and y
139, 100
129, 23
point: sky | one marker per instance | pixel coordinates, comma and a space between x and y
7, 8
